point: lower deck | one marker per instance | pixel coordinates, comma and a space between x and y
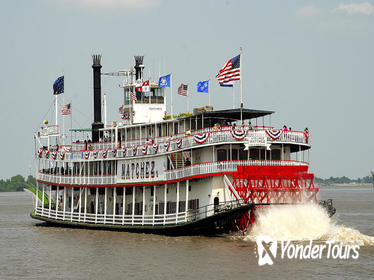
158, 205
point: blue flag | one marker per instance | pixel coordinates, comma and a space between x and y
58, 86
203, 86
164, 81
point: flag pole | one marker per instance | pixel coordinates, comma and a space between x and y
171, 96
188, 100
71, 121
233, 96
241, 86
63, 120
56, 109
208, 93
105, 119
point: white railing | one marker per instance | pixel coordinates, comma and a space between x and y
78, 180
137, 220
224, 166
127, 148
173, 174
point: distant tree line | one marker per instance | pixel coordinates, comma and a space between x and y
344, 180
17, 183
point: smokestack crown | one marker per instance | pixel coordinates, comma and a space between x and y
96, 60
139, 66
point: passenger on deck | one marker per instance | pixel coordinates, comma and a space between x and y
250, 125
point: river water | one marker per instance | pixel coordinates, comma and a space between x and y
31, 251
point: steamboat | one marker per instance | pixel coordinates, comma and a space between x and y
204, 172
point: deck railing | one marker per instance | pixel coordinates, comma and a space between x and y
180, 141
224, 167
78, 180
203, 169
137, 220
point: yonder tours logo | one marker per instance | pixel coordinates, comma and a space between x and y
267, 250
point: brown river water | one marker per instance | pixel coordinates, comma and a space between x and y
31, 251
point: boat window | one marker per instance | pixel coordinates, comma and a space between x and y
159, 130
234, 154
243, 155
276, 154
254, 154
221, 155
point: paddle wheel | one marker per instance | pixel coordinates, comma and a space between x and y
267, 185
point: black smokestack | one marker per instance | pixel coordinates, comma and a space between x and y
97, 124
139, 66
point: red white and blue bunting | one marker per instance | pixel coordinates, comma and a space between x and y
179, 143
124, 150
201, 138
62, 155
54, 154
87, 154
114, 153
239, 134
40, 152
155, 148
104, 154
274, 133
94, 154
144, 150
166, 146
134, 151
47, 154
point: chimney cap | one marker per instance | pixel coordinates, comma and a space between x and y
96, 59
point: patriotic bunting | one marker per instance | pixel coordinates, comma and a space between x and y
62, 156
54, 154
47, 154
114, 153
274, 133
87, 154
239, 134
94, 154
155, 148
124, 151
40, 152
134, 151
201, 138
104, 154
144, 150
166, 146
179, 143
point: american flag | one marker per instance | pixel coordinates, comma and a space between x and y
133, 96
182, 90
66, 109
230, 72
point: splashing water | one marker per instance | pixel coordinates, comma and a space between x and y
303, 222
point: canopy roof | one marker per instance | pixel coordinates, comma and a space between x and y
231, 114
81, 129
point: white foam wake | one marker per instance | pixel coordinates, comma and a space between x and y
303, 222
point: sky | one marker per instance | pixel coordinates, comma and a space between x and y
311, 62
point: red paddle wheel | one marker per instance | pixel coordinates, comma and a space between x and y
266, 185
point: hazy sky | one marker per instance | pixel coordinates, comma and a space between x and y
310, 61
